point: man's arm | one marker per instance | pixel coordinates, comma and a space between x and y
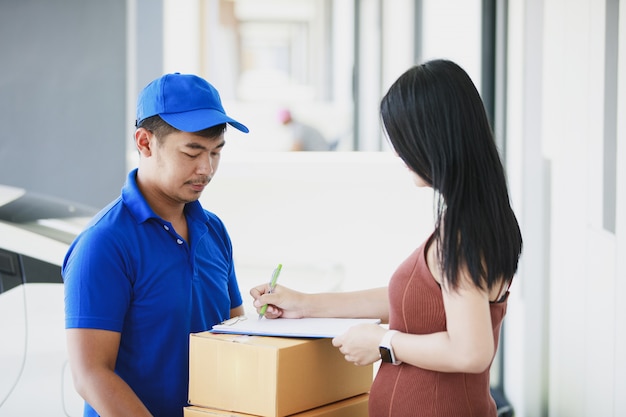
92, 357
237, 311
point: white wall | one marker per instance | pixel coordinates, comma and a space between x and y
335, 220
619, 377
566, 339
526, 323
452, 30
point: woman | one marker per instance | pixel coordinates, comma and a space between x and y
445, 303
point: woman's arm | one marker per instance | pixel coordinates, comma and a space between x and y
285, 302
467, 345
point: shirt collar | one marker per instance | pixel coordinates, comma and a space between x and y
141, 211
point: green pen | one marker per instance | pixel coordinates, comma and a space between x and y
275, 275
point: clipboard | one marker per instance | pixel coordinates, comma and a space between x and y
308, 327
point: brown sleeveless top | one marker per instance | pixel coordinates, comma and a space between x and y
416, 306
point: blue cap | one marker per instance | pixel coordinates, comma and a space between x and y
186, 102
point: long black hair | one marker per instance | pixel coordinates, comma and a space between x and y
436, 122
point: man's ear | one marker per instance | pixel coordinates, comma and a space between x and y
143, 141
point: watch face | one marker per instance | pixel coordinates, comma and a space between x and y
385, 354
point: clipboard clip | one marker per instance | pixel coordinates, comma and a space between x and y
234, 320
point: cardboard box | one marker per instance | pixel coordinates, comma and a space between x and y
270, 376
352, 407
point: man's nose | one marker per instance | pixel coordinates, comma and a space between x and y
206, 166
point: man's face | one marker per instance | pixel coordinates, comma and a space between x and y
184, 163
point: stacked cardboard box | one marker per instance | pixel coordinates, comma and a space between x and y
273, 377
351, 407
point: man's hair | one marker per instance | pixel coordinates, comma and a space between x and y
160, 128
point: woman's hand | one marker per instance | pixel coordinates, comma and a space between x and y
360, 343
282, 302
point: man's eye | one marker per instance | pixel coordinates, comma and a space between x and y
192, 155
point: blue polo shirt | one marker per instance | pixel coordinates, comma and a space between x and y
130, 272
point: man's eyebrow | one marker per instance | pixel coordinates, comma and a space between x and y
197, 145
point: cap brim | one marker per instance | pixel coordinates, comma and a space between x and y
196, 120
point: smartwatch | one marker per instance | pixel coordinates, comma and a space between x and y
386, 350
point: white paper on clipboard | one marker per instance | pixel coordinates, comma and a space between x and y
305, 327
